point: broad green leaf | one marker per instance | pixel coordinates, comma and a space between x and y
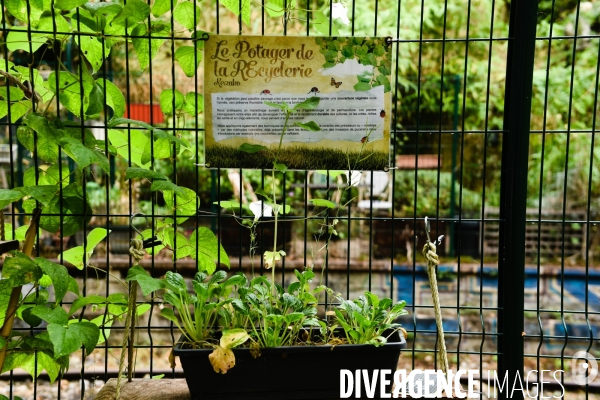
323, 203
18, 359
96, 103
46, 362
308, 104
275, 8
251, 148
236, 280
93, 238
142, 309
160, 148
68, 340
234, 7
178, 242
82, 155
147, 48
175, 282
187, 14
114, 97
172, 139
42, 193
162, 6
147, 283
122, 141
133, 12
28, 15
59, 275
72, 207
93, 50
293, 317
69, 90
321, 24
83, 20
5, 291
8, 196
81, 302
73, 286
18, 109
142, 173
232, 338
109, 9
74, 256
65, 341
68, 4
169, 314
167, 185
21, 231
184, 206
103, 323
3, 109
194, 103
21, 270
45, 281
280, 167
47, 138
189, 59
54, 315
171, 100
11, 93
204, 241
2, 343
47, 175
309, 126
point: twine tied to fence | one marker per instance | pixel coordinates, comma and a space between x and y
136, 250
429, 251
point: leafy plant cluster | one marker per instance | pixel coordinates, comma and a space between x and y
367, 51
223, 313
51, 113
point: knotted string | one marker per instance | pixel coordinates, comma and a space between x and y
429, 251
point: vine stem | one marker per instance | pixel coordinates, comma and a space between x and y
15, 294
275, 207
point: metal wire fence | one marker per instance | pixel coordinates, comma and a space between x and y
493, 138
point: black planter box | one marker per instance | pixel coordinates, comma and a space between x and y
295, 372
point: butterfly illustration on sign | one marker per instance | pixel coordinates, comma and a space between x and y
334, 83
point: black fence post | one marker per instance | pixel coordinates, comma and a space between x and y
515, 149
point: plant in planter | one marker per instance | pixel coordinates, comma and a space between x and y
247, 328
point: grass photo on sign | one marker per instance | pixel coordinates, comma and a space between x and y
298, 158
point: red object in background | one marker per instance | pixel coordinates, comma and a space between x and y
141, 112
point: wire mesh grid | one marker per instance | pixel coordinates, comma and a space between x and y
456, 70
